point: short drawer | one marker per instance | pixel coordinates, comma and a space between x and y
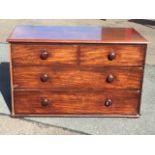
76, 103
112, 55
77, 78
43, 54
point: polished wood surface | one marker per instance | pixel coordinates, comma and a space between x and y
77, 78
122, 55
78, 34
85, 55
30, 54
76, 71
123, 102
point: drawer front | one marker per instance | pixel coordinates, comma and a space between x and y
77, 78
43, 54
46, 102
112, 55
89, 55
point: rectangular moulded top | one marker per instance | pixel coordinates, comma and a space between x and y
76, 34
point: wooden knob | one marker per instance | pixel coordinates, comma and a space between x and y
110, 78
111, 55
45, 102
44, 55
44, 78
108, 102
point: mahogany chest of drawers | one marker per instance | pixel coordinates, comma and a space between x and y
76, 71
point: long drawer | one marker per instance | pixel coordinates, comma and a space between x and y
77, 78
72, 54
106, 102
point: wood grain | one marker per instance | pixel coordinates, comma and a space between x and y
76, 34
59, 71
29, 54
85, 55
76, 103
126, 55
77, 78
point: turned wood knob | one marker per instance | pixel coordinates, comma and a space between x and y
110, 78
44, 55
112, 55
108, 102
44, 78
45, 102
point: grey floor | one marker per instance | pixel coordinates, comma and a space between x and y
143, 125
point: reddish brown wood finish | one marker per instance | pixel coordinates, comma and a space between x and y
126, 55
29, 54
76, 35
123, 102
59, 71
77, 78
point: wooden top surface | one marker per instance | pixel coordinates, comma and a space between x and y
78, 34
